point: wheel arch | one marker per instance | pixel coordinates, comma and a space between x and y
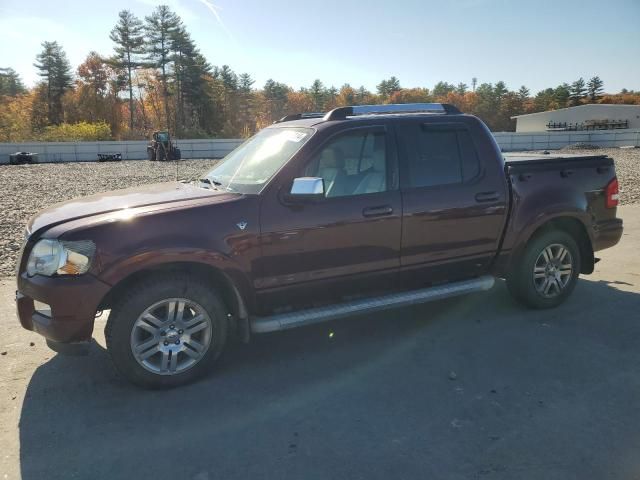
580, 234
572, 225
578, 231
219, 280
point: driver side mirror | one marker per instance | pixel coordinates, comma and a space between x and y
306, 189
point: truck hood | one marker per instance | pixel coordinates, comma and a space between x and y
158, 194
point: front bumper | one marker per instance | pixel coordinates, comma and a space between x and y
607, 234
73, 301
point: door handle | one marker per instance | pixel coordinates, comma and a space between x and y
377, 211
487, 196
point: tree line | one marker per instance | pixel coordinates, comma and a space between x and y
157, 79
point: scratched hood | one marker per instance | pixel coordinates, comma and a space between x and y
158, 194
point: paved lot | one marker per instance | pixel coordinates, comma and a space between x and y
550, 395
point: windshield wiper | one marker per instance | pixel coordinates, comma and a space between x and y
213, 183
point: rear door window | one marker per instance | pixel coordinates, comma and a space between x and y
439, 155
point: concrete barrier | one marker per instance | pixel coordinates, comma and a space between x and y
130, 150
512, 141
218, 148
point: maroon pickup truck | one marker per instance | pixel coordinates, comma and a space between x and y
317, 217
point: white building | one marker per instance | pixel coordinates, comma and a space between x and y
582, 117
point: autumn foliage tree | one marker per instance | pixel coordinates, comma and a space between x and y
96, 94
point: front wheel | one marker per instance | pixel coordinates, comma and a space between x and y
166, 332
547, 271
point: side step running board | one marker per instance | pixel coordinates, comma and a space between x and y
300, 318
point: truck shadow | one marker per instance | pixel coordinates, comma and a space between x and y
80, 420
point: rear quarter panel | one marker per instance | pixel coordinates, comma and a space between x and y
541, 195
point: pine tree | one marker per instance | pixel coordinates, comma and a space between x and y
275, 96
386, 88
245, 90
362, 95
441, 89
128, 35
318, 94
524, 93
54, 68
578, 91
159, 27
198, 93
595, 88
461, 88
10, 83
187, 75
230, 95
561, 95
500, 90
330, 96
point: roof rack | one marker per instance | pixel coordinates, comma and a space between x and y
343, 112
298, 116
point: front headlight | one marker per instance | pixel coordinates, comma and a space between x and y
50, 257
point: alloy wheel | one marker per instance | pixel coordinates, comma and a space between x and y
171, 336
552, 270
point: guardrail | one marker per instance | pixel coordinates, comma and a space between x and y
218, 148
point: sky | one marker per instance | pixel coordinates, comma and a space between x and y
539, 44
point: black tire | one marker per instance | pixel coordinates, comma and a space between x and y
160, 154
521, 282
150, 155
118, 331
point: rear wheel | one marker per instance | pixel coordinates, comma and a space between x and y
166, 332
547, 271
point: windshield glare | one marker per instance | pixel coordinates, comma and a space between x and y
252, 164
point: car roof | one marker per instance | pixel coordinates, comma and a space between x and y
363, 113
319, 122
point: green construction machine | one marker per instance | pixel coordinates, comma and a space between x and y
162, 148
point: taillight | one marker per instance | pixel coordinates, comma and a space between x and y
612, 194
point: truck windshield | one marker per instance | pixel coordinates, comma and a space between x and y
252, 164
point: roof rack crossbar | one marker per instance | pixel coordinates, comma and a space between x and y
343, 112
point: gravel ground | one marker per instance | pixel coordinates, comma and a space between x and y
29, 188
628, 171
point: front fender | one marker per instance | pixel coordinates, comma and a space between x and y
126, 267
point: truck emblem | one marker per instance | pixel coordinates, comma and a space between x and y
242, 225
